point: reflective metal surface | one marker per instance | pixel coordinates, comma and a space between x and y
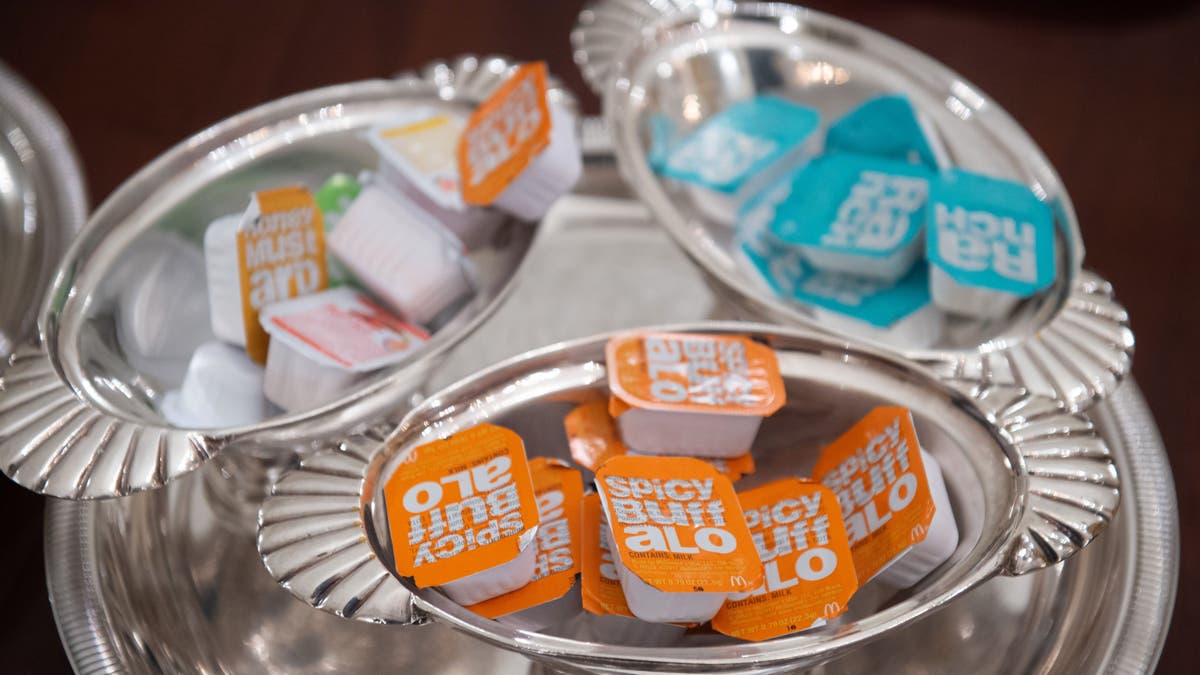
79, 408
1031, 485
43, 202
1071, 342
607, 30
171, 581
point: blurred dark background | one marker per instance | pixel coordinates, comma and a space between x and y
1111, 93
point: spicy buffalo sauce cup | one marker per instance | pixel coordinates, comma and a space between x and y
893, 497
463, 515
593, 438
680, 539
808, 568
691, 394
547, 598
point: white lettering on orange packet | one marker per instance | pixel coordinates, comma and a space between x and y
559, 492
281, 255
504, 134
461, 505
808, 567
875, 469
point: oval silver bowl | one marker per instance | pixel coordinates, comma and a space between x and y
79, 405
1071, 342
1031, 485
43, 203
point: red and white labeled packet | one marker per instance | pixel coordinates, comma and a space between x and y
876, 471
808, 568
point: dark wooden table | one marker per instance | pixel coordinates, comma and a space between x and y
1112, 96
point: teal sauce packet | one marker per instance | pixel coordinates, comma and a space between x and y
783, 268
885, 127
991, 234
733, 148
856, 214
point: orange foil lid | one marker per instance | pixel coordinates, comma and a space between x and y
460, 505
677, 524
875, 469
504, 134
600, 585
734, 468
808, 567
726, 374
593, 437
281, 255
559, 491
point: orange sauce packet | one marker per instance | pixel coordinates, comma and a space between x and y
592, 435
600, 585
559, 492
723, 374
808, 567
875, 469
677, 525
460, 505
504, 134
734, 467
594, 439
281, 255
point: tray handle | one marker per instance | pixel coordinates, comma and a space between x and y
53, 443
1080, 357
312, 536
1069, 483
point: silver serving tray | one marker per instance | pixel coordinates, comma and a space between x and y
79, 414
43, 202
1071, 342
171, 580
1031, 486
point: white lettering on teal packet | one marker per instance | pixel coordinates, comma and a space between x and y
732, 146
990, 233
855, 204
783, 268
885, 127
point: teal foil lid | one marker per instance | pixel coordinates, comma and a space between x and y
854, 204
990, 233
885, 127
783, 268
737, 143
